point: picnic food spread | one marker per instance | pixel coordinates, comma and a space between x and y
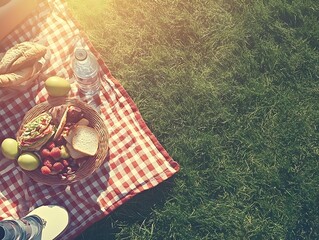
56, 141
129, 158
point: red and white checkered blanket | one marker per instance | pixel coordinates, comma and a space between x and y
137, 161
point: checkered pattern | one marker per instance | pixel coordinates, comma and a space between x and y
137, 161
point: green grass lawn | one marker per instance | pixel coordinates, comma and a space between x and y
231, 90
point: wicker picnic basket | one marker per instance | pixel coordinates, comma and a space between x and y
91, 164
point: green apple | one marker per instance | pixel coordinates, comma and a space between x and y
10, 148
28, 161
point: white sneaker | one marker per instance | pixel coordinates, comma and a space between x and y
56, 220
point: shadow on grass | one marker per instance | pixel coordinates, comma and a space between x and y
135, 210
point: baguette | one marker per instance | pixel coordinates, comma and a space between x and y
22, 55
16, 78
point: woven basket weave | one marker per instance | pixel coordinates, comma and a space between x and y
91, 163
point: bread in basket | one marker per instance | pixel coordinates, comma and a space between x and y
89, 164
20, 67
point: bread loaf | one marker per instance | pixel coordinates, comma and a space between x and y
20, 56
15, 78
20, 64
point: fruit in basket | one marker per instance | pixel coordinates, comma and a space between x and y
10, 148
28, 161
45, 170
50, 145
58, 167
55, 153
57, 86
45, 153
64, 152
48, 162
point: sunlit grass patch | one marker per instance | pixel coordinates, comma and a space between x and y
230, 88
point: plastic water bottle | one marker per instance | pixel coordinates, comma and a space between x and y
29, 227
86, 72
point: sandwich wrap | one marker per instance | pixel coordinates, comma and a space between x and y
36, 133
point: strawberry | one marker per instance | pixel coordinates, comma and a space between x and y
58, 167
45, 153
50, 145
45, 170
48, 162
55, 153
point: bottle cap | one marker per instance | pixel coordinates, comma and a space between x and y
80, 54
